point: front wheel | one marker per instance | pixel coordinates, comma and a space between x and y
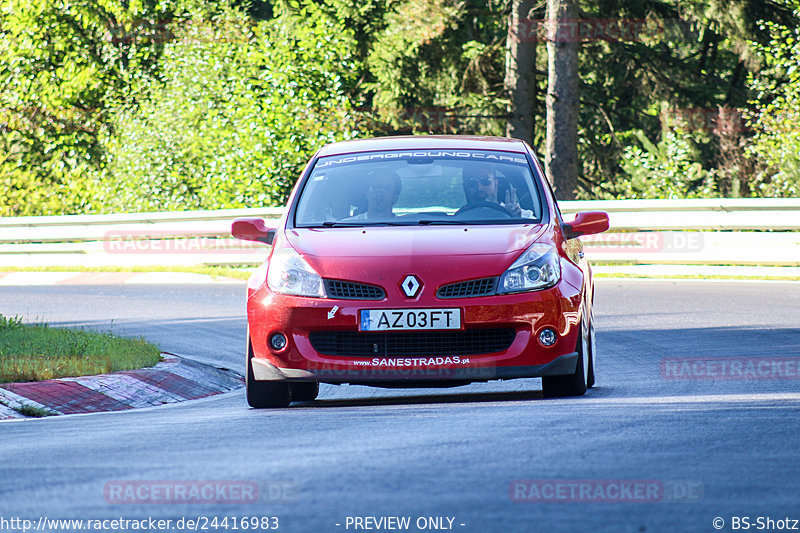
574, 384
262, 394
592, 352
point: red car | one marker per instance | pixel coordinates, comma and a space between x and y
421, 261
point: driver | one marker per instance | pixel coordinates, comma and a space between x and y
481, 185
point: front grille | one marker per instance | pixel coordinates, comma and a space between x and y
412, 343
349, 290
468, 289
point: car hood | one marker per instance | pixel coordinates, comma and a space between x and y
442, 252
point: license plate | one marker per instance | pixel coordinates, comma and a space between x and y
409, 319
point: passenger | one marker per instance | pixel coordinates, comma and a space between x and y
383, 191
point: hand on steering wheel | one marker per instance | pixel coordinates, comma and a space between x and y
484, 205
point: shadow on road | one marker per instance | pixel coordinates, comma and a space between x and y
433, 399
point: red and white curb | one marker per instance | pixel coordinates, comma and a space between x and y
172, 380
108, 278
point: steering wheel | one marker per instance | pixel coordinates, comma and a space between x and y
484, 205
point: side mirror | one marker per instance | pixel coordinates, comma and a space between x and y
252, 229
586, 223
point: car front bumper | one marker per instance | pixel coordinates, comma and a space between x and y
524, 314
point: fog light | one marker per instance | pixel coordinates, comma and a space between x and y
547, 337
277, 341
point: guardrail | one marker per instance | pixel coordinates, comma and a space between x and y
723, 232
764, 231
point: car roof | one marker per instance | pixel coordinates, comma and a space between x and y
424, 142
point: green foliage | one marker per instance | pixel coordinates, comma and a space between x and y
239, 108
183, 104
776, 143
688, 57
438, 63
668, 170
365, 18
59, 63
12, 322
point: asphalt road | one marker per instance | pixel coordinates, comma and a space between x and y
712, 448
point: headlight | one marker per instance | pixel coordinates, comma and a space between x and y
538, 268
290, 274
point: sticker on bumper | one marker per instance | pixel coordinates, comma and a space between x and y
414, 361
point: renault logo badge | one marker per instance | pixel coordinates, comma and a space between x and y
410, 285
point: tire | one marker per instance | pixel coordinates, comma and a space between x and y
262, 394
574, 384
592, 351
304, 391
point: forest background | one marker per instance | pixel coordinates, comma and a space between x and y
144, 105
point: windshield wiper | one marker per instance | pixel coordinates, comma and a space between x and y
434, 222
358, 224
332, 223
468, 222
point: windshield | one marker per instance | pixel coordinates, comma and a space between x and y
419, 187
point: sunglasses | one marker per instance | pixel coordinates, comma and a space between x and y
483, 180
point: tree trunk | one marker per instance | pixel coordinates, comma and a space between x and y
561, 152
521, 70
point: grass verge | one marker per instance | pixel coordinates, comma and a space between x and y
40, 352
